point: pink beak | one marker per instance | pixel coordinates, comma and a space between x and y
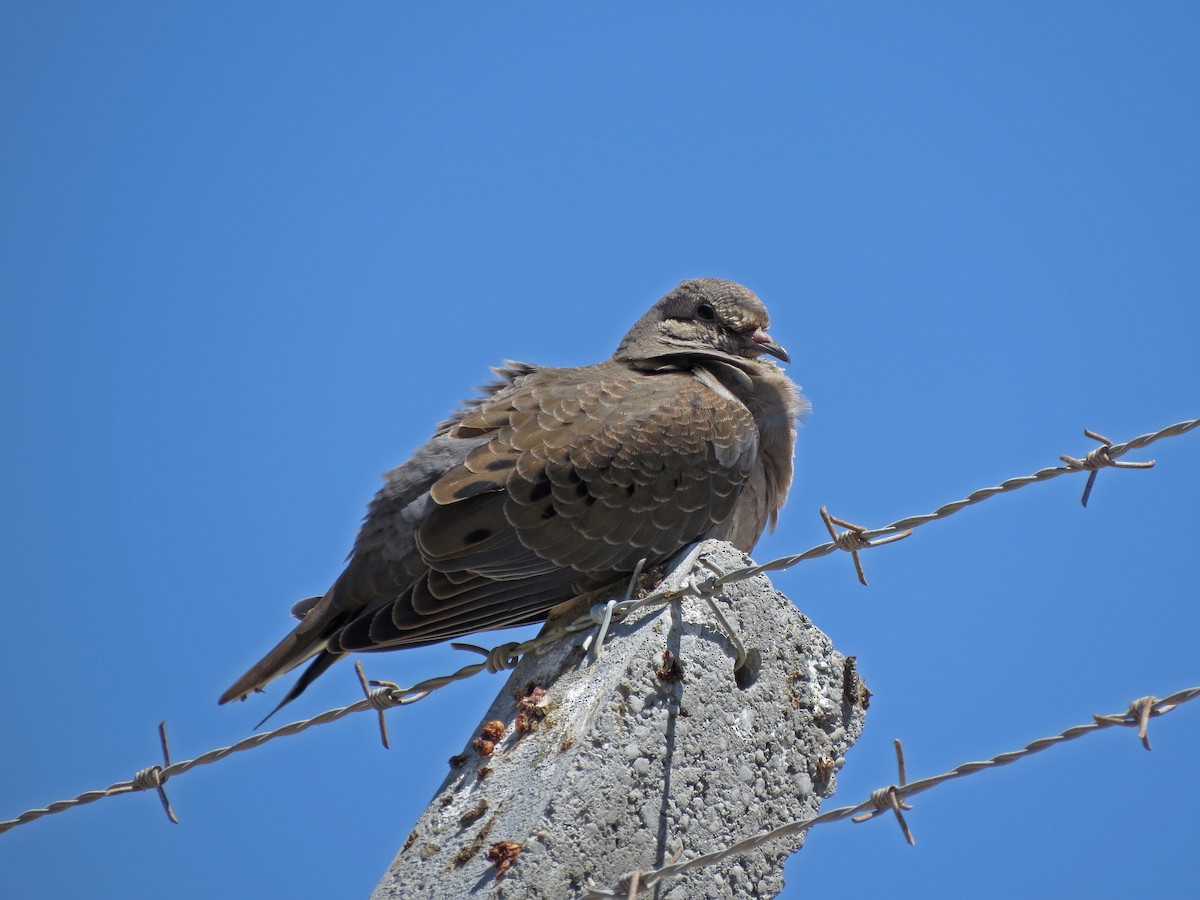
764, 341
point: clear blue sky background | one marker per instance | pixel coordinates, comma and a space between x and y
251, 253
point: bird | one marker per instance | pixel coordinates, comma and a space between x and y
556, 482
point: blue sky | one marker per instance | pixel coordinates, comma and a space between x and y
251, 254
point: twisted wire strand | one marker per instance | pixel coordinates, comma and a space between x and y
506, 656
881, 799
1115, 452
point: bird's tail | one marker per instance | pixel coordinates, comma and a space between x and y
307, 640
323, 661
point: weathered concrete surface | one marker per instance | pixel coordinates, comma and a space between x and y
632, 762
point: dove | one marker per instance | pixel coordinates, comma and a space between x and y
557, 482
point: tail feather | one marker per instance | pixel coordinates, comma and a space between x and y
285, 656
319, 621
323, 661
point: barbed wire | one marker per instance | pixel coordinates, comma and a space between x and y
682, 582
891, 798
1105, 455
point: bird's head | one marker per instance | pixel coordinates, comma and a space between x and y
706, 317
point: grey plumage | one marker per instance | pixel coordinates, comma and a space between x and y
557, 481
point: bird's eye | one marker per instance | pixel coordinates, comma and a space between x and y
706, 312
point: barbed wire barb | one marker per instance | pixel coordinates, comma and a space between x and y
888, 798
852, 540
634, 884
1097, 459
153, 776
1140, 711
370, 695
900, 760
739, 646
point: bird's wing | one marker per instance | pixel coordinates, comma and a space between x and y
579, 475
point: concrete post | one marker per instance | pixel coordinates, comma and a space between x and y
590, 769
